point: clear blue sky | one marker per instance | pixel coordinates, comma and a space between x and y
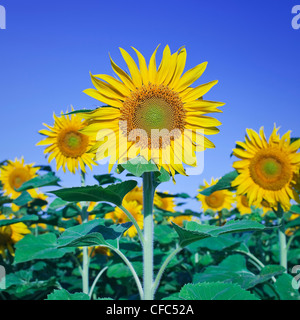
49, 47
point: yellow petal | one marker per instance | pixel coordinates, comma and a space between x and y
198, 92
97, 95
134, 71
190, 77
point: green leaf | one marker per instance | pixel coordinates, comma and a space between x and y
223, 183
92, 233
177, 195
162, 176
139, 165
48, 179
7, 222
22, 281
295, 209
194, 231
215, 291
113, 193
57, 203
285, 289
106, 179
23, 199
233, 269
120, 270
65, 295
220, 243
38, 247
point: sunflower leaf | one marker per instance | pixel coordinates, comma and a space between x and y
7, 222
48, 179
114, 193
223, 183
194, 231
92, 233
65, 295
38, 247
138, 166
215, 291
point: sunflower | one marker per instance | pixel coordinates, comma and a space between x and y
150, 111
267, 168
242, 204
11, 234
165, 203
218, 200
179, 220
14, 174
34, 194
66, 144
135, 194
119, 216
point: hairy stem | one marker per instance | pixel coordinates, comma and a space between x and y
148, 195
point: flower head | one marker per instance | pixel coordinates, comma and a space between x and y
267, 168
67, 145
151, 110
14, 174
218, 200
119, 216
11, 234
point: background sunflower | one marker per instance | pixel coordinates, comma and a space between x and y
67, 145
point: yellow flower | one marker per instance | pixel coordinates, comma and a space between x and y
180, 219
36, 195
242, 204
150, 103
11, 234
267, 168
135, 194
119, 216
67, 145
218, 200
100, 250
14, 174
165, 203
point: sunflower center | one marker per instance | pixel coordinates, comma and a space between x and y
215, 200
72, 143
153, 113
18, 177
153, 107
5, 235
270, 169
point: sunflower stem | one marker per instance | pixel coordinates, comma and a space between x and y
85, 250
282, 244
148, 196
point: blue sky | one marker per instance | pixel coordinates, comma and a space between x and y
49, 47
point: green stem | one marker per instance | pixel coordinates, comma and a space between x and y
96, 280
282, 245
163, 268
130, 266
148, 195
85, 250
258, 262
134, 222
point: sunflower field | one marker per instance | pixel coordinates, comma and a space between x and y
128, 238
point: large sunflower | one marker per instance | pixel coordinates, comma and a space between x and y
119, 216
14, 174
218, 200
152, 102
267, 168
67, 145
11, 234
